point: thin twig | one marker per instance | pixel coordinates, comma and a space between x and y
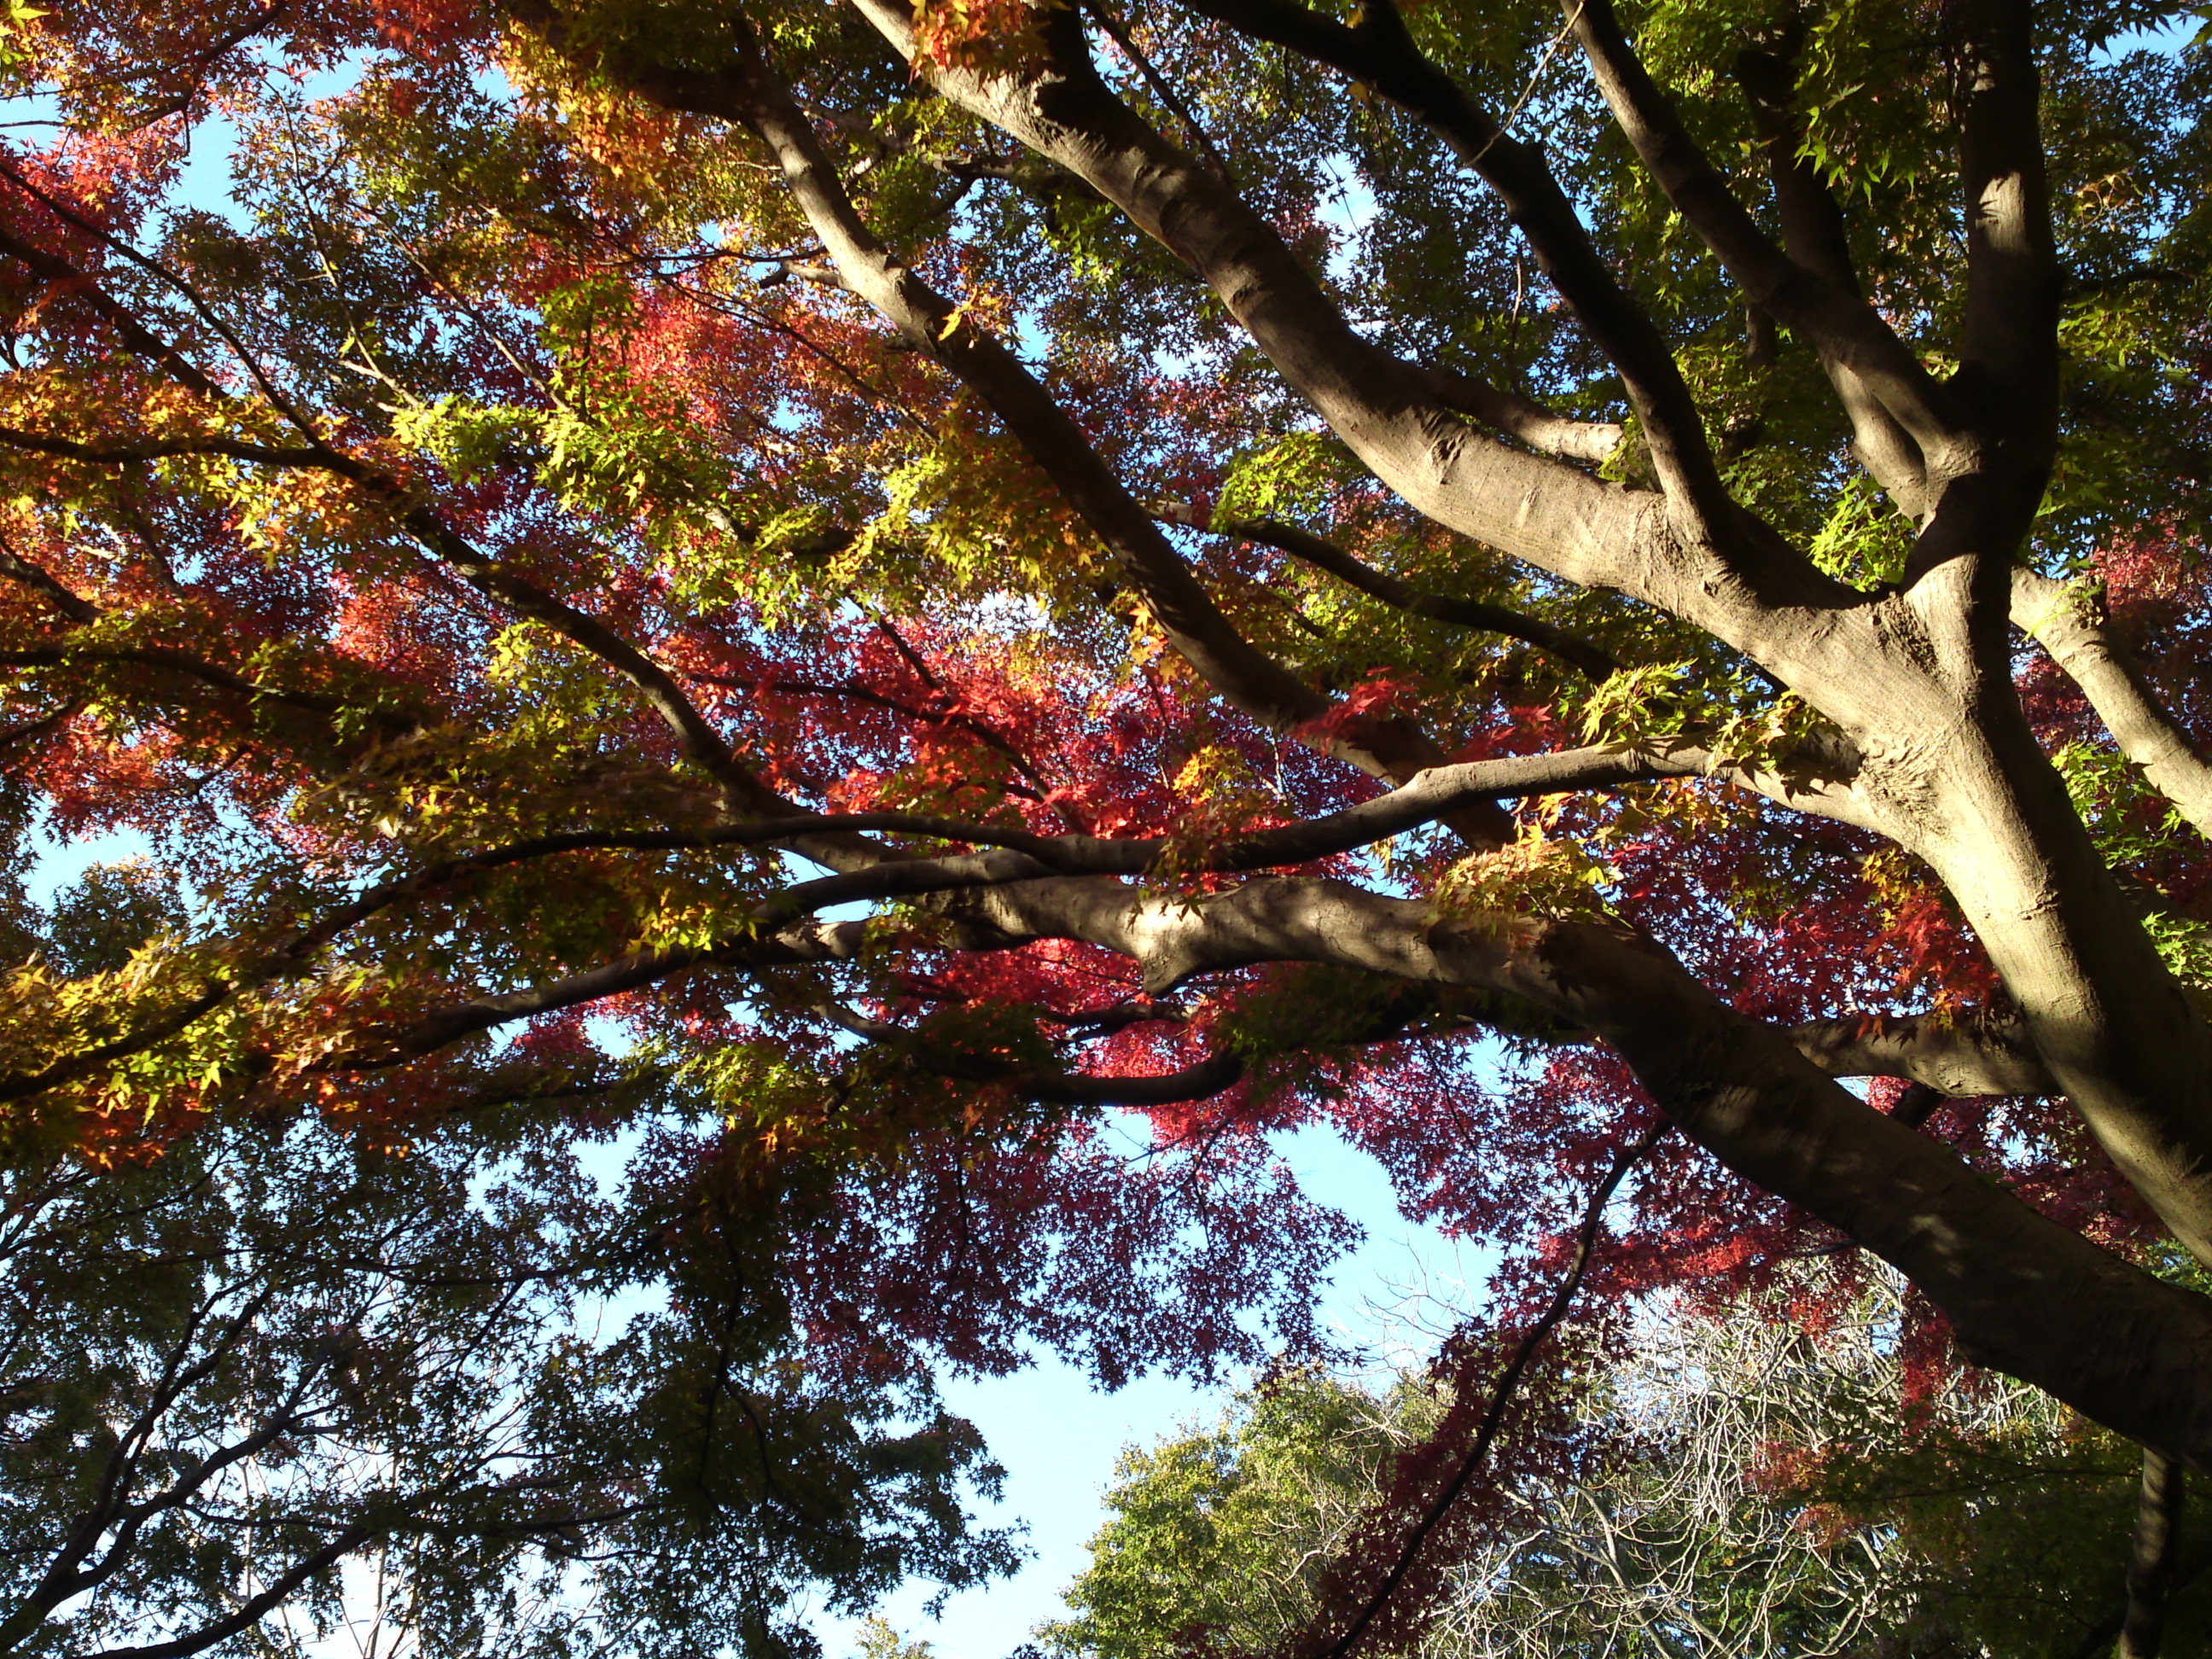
1509, 1381
1529, 91
1165, 93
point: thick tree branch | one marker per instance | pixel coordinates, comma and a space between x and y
2024, 1294
1813, 236
1230, 663
1987, 491
1986, 488
1917, 1104
1759, 597
1432, 797
1551, 514
1523, 419
1200, 1081
2152, 1555
1381, 54
2009, 352
1846, 331
779, 940
1961, 1056
2067, 620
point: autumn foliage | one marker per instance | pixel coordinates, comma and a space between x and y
711, 585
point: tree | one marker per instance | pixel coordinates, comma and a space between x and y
1130, 494
880, 1641
270, 1353
1764, 1494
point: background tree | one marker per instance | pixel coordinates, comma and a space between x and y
1130, 494
1767, 1490
271, 1353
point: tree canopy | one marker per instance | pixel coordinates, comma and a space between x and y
788, 671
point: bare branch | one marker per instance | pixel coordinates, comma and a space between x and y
1501, 1395
249, 1613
